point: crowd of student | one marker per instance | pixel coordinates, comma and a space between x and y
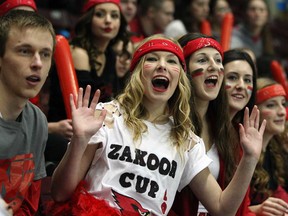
165, 121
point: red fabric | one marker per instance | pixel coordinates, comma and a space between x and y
157, 45
31, 200
185, 203
243, 209
81, 204
281, 194
199, 43
10, 4
92, 3
269, 92
16, 177
136, 30
35, 100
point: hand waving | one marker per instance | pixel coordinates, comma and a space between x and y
85, 124
251, 136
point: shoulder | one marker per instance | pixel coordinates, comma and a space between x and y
34, 114
80, 58
112, 111
194, 140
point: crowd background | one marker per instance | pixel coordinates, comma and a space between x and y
64, 15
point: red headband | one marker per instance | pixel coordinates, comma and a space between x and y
92, 3
10, 4
269, 92
157, 45
200, 43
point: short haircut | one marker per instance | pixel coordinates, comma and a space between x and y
23, 19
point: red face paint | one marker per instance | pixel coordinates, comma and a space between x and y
221, 72
175, 69
266, 114
197, 72
249, 89
227, 86
147, 66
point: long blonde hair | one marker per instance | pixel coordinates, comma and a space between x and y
178, 105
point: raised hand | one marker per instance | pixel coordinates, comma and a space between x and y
85, 124
251, 136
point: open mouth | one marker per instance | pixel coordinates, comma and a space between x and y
160, 83
211, 81
33, 78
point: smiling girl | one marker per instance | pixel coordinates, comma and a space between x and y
267, 193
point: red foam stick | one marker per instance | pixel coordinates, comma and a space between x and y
66, 72
35, 100
226, 31
205, 28
279, 75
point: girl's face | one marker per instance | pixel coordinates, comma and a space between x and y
123, 60
239, 83
221, 9
273, 110
129, 9
106, 21
199, 9
161, 71
257, 13
206, 70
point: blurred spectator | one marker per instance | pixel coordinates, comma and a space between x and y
71, 6
123, 59
280, 37
100, 27
152, 17
129, 9
218, 9
193, 12
254, 31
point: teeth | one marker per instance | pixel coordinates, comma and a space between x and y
212, 78
238, 96
158, 78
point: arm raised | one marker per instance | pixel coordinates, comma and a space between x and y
205, 186
77, 159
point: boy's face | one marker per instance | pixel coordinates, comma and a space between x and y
26, 62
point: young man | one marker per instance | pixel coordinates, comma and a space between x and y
152, 18
27, 42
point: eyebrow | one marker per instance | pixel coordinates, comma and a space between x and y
25, 45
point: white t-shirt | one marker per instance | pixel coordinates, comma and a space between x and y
145, 181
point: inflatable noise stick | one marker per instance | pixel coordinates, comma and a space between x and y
279, 75
226, 31
205, 28
66, 72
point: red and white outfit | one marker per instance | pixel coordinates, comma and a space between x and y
141, 177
